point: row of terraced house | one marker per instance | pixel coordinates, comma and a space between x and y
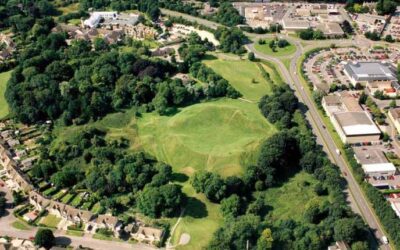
72, 215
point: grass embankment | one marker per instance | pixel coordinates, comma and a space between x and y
244, 76
3, 84
219, 136
209, 136
279, 52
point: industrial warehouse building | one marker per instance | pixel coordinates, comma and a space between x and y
374, 162
362, 72
355, 127
352, 123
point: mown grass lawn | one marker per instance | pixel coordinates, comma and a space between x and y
265, 49
21, 225
201, 219
243, 75
3, 84
75, 233
104, 237
67, 198
50, 220
213, 136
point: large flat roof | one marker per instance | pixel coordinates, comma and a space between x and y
369, 155
356, 123
369, 71
380, 167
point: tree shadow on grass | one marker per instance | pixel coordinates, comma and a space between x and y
195, 208
179, 177
209, 57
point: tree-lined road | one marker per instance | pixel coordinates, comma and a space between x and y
359, 202
325, 138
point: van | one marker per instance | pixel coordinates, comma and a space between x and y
385, 240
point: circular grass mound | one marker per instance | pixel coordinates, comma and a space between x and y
213, 135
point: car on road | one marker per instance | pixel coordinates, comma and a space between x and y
385, 240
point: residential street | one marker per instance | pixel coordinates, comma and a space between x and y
61, 237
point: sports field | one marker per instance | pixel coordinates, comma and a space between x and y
3, 84
243, 75
213, 136
264, 48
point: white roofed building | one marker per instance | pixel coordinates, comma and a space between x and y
96, 17
379, 169
374, 163
352, 123
355, 127
361, 72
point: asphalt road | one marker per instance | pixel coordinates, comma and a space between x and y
357, 199
61, 238
325, 139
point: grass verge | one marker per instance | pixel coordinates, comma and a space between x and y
20, 225
4, 110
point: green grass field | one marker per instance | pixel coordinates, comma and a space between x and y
290, 200
3, 84
201, 219
50, 221
264, 48
220, 136
213, 136
75, 233
240, 74
20, 225
69, 8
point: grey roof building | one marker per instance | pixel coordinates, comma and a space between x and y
369, 71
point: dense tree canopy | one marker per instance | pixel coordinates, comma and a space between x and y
111, 174
44, 238
21, 15
165, 200
228, 15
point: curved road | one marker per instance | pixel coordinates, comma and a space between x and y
357, 198
324, 137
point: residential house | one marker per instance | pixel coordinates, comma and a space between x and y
107, 221
13, 142
56, 208
148, 234
38, 201
31, 216
28, 162
339, 245
76, 216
